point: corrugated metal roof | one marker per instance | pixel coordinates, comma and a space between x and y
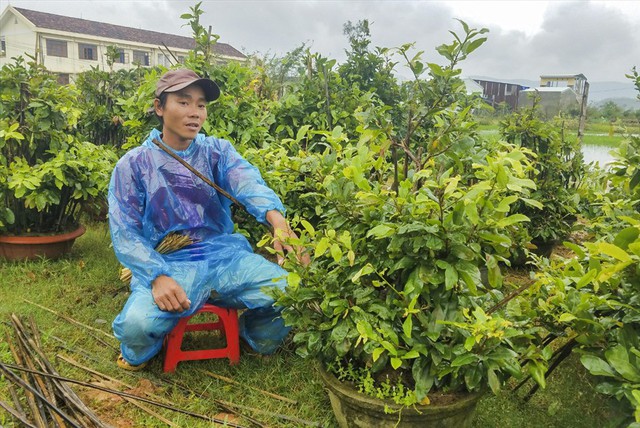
118, 32
562, 76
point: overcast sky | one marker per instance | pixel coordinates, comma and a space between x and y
600, 39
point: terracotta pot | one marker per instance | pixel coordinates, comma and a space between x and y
32, 247
353, 409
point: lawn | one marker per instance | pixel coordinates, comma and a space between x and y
85, 287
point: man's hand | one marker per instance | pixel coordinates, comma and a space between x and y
169, 295
281, 230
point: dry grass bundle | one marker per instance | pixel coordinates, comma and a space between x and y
172, 242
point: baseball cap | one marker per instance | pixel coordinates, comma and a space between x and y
174, 80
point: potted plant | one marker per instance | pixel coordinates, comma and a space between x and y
392, 305
558, 173
47, 172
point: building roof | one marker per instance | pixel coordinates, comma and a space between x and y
549, 89
563, 76
504, 81
118, 32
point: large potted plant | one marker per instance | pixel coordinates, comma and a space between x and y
46, 172
559, 171
392, 305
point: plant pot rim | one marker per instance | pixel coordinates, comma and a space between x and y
464, 399
43, 239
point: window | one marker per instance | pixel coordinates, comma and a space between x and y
57, 48
163, 60
181, 59
141, 58
63, 78
122, 58
86, 51
3, 47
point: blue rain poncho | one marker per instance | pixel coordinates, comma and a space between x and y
151, 195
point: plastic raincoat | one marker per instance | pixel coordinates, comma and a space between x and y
152, 195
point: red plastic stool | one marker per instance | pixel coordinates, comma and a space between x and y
227, 323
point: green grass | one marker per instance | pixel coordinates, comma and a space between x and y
603, 140
85, 287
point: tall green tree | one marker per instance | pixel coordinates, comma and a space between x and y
370, 69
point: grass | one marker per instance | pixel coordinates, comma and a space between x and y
602, 140
85, 287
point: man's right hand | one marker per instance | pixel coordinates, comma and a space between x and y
169, 295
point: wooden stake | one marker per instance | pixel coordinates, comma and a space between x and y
69, 319
7, 368
229, 380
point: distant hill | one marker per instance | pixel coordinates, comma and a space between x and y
623, 94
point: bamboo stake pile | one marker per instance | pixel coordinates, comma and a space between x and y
49, 401
170, 243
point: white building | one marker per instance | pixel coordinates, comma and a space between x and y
68, 46
551, 100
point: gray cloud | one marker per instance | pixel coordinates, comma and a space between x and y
576, 37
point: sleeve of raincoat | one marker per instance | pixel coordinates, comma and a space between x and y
244, 182
127, 198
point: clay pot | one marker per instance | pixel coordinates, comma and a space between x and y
354, 409
32, 247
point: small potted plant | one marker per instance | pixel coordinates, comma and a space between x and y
46, 172
392, 305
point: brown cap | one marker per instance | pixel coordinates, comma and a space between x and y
174, 80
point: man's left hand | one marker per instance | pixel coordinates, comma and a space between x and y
281, 231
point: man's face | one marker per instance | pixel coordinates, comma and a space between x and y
183, 114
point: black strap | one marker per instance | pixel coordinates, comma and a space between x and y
198, 174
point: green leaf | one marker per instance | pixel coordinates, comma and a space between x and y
471, 209
618, 358
469, 342
376, 353
494, 383
626, 236
575, 248
532, 203
613, 251
587, 278
505, 204
597, 366
381, 231
365, 270
566, 317
512, 219
322, 247
411, 354
450, 277
396, 362
308, 227
537, 371
407, 326
293, 279
336, 252
463, 360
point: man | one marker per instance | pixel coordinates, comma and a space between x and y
151, 195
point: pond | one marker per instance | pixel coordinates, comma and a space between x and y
597, 153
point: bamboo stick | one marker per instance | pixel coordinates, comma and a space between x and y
22, 417
8, 367
69, 319
36, 411
275, 415
262, 391
12, 376
50, 388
